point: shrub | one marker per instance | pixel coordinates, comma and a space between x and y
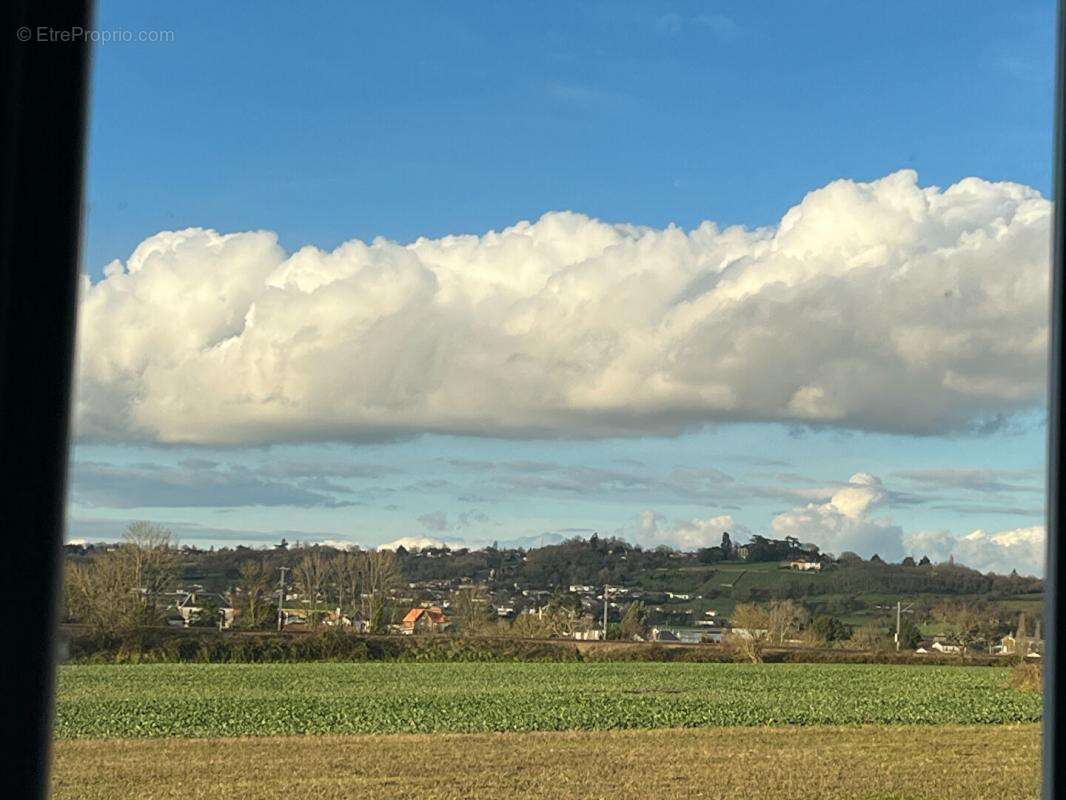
1027, 677
161, 645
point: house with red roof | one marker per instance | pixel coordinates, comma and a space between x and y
424, 620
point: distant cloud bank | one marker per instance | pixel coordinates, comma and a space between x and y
850, 520
881, 306
847, 521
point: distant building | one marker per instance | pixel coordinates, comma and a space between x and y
686, 635
593, 635
357, 622
805, 566
192, 606
424, 620
1011, 645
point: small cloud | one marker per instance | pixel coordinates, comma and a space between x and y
435, 521
472, 517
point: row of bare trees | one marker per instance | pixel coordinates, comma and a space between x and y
126, 586
471, 614
358, 583
123, 588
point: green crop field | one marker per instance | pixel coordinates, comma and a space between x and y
211, 700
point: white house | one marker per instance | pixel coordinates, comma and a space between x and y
594, 635
191, 606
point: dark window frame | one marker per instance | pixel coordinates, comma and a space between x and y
1054, 757
43, 149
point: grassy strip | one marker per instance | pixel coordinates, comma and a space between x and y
207, 700
952, 763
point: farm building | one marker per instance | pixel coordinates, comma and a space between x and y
686, 635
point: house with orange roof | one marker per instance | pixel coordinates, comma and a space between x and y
424, 620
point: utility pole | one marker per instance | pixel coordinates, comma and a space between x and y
281, 598
899, 611
605, 612
899, 615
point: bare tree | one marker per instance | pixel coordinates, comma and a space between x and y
870, 636
471, 611
346, 570
633, 621
152, 562
98, 594
254, 603
750, 631
380, 574
310, 575
123, 588
784, 620
562, 616
968, 623
529, 626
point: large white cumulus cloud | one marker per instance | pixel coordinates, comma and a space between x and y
853, 519
847, 521
879, 306
651, 529
1021, 549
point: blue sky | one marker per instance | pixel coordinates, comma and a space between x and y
336, 121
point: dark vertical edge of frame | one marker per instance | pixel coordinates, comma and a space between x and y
1053, 670
42, 147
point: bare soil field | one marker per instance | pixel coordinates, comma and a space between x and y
829, 763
